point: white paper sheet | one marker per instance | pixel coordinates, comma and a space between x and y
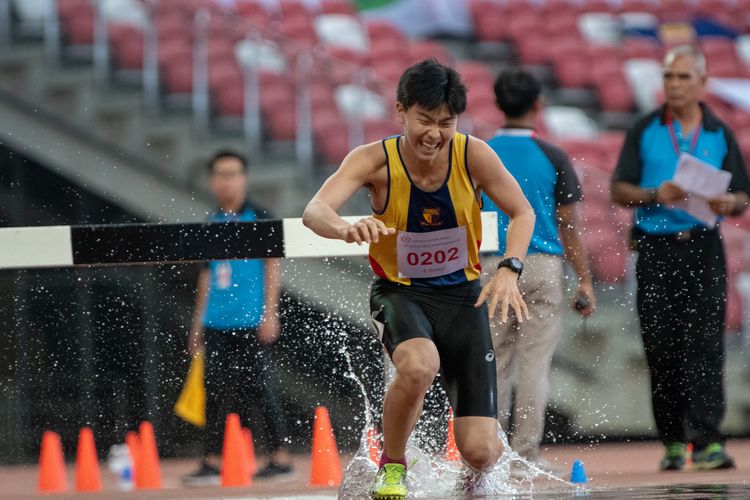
702, 182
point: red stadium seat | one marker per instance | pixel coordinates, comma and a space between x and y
229, 98
126, 42
534, 49
475, 74
380, 30
281, 124
386, 49
565, 26
389, 70
220, 49
615, 94
555, 9
174, 49
338, 7
419, 50
78, 25
675, 10
488, 115
376, 130
224, 71
490, 20
178, 74
526, 24
709, 8
637, 47
300, 30
638, 6
334, 147
572, 66
171, 26
584, 152
294, 10
253, 12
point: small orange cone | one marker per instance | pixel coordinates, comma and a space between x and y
148, 470
234, 466
52, 477
87, 463
373, 445
252, 464
451, 451
134, 448
325, 469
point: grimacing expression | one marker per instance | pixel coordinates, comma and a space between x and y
427, 132
683, 83
228, 180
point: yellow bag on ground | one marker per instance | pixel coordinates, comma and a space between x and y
191, 405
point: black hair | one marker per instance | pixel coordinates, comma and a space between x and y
430, 84
227, 153
516, 91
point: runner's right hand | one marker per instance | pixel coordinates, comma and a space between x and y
367, 230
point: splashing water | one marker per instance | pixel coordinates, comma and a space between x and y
431, 475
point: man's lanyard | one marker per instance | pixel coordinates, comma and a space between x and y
675, 142
517, 132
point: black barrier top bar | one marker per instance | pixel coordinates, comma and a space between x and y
112, 244
164, 243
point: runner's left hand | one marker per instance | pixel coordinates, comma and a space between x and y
503, 290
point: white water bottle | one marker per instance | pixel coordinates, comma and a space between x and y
120, 463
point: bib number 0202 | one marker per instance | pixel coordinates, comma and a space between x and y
430, 258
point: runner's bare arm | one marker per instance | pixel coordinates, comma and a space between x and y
357, 170
491, 176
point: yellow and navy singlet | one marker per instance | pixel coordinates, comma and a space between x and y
410, 210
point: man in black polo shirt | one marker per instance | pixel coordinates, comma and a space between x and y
681, 271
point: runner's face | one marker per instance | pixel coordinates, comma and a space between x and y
228, 180
427, 132
683, 83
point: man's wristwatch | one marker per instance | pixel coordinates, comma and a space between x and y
513, 264
653, 195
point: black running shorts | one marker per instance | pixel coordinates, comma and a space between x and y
461, 333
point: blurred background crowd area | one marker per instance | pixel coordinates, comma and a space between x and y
111, 108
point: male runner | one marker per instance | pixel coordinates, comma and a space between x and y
424, 238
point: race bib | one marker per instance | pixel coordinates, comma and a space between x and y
432, 254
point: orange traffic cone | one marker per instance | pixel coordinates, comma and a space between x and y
252, 464
325, 469
148, 471
133, 443
451, 451
373, 445
234, 466
87, 463
52, 477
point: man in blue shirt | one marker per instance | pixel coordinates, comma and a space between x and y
550, 184
681, 270
236, 315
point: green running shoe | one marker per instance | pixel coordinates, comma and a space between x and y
389, 483
674, 457
712, 457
